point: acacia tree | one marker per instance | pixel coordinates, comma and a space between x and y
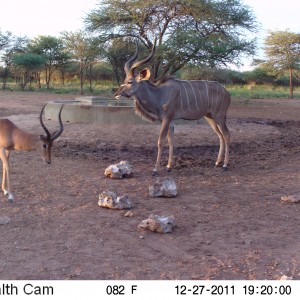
5, 38
198, 31
116, 53
51, 48
84, 50
13, 46
282, 49
26, 64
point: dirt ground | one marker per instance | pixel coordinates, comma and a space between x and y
230, 225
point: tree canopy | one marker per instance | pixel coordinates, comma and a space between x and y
27, 63
282, 49
203, 32
51, 48
84, 49
4, 39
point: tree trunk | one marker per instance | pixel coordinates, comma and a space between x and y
90, 79
63, 77
81, 78
291, 83
48, 78
5, 75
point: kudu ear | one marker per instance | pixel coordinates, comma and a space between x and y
144, 75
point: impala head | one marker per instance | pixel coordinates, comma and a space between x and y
131, 83
46, 141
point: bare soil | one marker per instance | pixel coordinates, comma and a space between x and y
230, 225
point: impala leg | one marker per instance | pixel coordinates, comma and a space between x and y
4, 180
4, 155
162, 135
171, 146
4, 189
214, 126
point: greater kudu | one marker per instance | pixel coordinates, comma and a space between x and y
177, 99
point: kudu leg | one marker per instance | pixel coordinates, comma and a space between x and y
222, 131
171, 146
226, 136
4, 155
162, 135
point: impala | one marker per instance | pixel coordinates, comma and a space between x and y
14, 138
176, 99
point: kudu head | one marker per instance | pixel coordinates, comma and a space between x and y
45, 142
132, 81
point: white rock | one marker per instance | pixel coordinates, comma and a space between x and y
129, 214
165, 187
109, 199
284, 277
291, 198
118, 171
157, 223
4, 220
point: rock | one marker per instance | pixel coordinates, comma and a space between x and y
157, 223
291, 199
248, 241
114, 172
128, 214
284, 277
4, 220
109, 199
118, 171
165, 187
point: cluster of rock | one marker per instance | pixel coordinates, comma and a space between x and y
165, 187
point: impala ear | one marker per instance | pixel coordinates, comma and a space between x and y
144, 75
43, 138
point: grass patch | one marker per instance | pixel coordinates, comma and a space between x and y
260, 92
105, 88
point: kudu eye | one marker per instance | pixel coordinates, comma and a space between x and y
44, 146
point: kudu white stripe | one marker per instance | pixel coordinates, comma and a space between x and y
177, 99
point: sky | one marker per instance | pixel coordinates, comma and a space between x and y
38, 17
273, 15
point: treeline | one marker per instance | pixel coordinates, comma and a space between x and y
204, 33
77, 58
257, 76
194, 40
74, 57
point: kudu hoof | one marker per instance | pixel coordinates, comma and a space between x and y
10, 200
154, 173
225, 168
169, 170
